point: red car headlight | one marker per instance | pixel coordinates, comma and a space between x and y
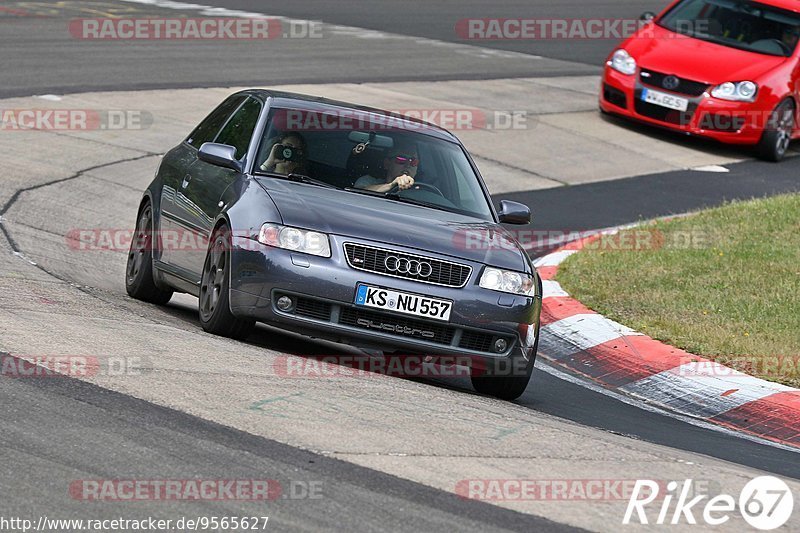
742, 91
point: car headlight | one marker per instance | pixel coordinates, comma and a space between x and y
622, 61
742, 91
294, 239
507, 281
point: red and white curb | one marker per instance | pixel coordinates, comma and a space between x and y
632, 364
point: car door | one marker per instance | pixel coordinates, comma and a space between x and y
177, 220
202, 188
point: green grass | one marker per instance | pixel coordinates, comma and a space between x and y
724, 284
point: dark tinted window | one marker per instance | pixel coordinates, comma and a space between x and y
343, 148
747, 25
238, 131
208, 129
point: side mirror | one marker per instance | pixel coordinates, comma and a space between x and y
647, 16
220, 155
514, 213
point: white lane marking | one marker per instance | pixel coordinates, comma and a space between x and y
711, 168
701, 395
338, 29
50, 97
552, 289
554, 259
588, 330
636, 402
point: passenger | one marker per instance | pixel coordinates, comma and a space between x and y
400, 168
288, 155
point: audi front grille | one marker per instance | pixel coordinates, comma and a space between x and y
402, 265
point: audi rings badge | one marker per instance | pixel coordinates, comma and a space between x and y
410, 267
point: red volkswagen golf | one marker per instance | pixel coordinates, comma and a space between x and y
724, 69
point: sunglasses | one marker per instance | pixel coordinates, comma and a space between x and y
405, 160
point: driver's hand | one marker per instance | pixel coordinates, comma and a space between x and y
403, 182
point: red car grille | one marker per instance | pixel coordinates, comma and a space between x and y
655, 79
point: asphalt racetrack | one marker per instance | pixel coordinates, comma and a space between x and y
389, 453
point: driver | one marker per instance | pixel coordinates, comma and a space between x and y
790, 37
400, 164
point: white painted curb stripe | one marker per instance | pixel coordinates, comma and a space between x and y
554, 259
708, 370
588, 330
699, 396
552, 289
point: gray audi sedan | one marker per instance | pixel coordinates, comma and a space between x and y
342, 223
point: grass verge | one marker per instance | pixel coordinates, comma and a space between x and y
724, 284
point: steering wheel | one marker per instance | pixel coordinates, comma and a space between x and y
770, 45
786, 49
418, 186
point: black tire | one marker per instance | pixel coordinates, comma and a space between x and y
139, 280
778, 135
503, 387
507, 385
214, 301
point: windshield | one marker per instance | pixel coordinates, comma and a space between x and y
739, 24
365, 153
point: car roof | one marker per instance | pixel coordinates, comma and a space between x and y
283, 99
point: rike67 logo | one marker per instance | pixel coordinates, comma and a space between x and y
765, 503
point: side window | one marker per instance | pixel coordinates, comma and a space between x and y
466, 195
239, 130
208, 129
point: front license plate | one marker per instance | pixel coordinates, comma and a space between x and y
403, 302
665, 100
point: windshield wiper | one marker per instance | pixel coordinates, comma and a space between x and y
298, 178
396, 196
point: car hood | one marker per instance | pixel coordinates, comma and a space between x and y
388, 222
667, 52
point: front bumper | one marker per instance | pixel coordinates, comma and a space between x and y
721, 120
324, 293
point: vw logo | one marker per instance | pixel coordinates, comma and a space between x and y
412, 267
671, 83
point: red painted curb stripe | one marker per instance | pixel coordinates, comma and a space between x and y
775, 417
618, 362
547, 273
556, 308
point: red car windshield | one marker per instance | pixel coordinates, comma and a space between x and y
738, 24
